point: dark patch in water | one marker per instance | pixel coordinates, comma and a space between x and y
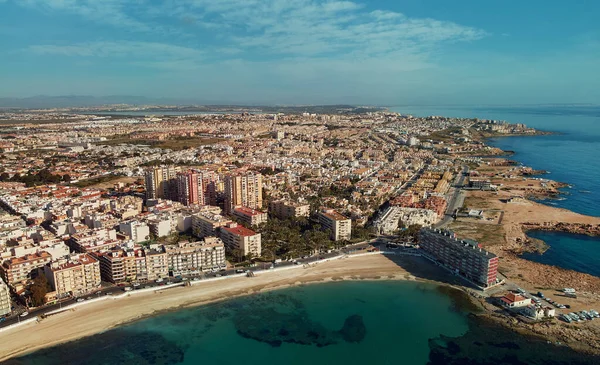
277, 318
501, 346
144, 348
354, 329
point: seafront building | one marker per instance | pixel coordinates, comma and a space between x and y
464, 257
75, 276
187, 258
5, 304
119, 265
339, 227
241, 238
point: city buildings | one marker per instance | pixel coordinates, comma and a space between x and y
206, 224
243, 239
135, 230
120, 265
160, 182
243, 190
187, 258
5, 304
285, 209
339, 227
190, 188
251, 217
481, 184
20, 269
75, 276
465, 257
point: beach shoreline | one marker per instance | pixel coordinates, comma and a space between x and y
102, 316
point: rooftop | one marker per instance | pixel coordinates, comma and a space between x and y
240, 231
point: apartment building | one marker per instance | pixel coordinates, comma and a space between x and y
161, 226
465, 257
77, 275
159, 182
5, 304
285, 209
135, 230
243, 190
120, 265
157, 264
249, 216
339, 227
189, 188
93, 240
244, 239
19, 269
193, 257
205, 224
481, 184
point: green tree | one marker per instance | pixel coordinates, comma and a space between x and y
39, 289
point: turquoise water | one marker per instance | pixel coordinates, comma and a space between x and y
396, 317
570, 251
336, 323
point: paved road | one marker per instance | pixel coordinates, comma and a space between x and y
456, 201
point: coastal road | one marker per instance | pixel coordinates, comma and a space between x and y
456, 200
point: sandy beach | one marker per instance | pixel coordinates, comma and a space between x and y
100, 316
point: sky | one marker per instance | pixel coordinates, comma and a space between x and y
368, 52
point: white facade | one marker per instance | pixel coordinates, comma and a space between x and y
4, 298
137, 231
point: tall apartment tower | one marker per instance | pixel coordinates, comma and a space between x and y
159, 182
210, 186
190, 188
243, 190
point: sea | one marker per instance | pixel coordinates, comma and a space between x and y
381, 322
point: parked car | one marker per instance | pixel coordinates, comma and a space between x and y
24, 314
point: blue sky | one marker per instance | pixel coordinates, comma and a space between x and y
304, 51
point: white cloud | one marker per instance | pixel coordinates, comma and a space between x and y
298, 42
119, 49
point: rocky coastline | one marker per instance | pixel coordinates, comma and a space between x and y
574, 228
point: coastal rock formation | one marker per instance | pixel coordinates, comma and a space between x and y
487, 342
576, 228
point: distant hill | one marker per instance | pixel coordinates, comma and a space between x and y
116, 103
78, 101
